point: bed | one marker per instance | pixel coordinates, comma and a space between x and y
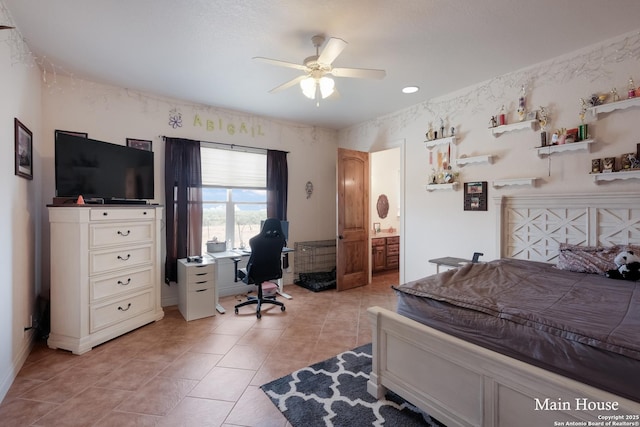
561, 367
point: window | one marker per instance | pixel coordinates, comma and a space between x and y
234, 195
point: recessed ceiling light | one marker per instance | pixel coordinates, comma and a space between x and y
410, 89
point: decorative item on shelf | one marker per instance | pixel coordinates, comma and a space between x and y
442, 128
443, 176
596, 165
502, 116
572, 135
609, 164
631, 89
583, 133
614, 95
522, 110
627, 160
595, 99
493, 122
429, 133
543, 120
583, 110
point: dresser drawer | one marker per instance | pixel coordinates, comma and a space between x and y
120, 233
109, 314
111, 214
117, 259
121, 283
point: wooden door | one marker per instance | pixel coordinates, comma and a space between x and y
353, 219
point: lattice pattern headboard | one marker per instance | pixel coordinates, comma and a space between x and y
532, 227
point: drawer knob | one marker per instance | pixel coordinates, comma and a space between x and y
120, 282
125, 309
124, 234
124, 259
105, 213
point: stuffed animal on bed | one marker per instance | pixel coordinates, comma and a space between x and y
628, 267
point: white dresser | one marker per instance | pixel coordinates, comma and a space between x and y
196, 288
105, 273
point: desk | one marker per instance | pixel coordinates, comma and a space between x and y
448, 262
225, 272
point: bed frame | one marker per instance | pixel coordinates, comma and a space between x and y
462, 384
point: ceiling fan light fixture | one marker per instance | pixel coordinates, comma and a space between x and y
311, 85
308, 87
327, 85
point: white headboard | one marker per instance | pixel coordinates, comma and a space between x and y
532, 227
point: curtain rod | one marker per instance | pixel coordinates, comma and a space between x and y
232, 146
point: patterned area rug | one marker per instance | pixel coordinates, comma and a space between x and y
334, 393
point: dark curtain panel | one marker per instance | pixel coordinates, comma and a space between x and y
277, 187
183, 196
277, 183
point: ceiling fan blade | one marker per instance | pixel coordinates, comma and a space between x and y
359, 73
288, 84
281, 63
334, 47
6, 27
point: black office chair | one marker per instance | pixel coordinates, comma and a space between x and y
264, 263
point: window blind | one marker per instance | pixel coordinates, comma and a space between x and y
233, 168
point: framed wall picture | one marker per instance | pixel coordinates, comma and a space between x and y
475, 196
141, 144
70, 132
24, 150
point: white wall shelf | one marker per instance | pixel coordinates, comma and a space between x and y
612, 106
572, 146
613, 176
528, 124
475, 159
450, 186
440, 141
514, 181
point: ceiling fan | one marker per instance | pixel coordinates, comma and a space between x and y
315, 82
6, 27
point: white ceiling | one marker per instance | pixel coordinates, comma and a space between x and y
200, 50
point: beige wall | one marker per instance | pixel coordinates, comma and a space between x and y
113, 114
434, 224
20, 209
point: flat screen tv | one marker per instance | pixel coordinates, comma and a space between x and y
98, 169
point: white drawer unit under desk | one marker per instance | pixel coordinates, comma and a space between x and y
196, 288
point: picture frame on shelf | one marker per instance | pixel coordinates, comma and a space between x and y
475, 196
531, 115
23, 150
609, 164
596, 165
627, 160
72, 133
141, 144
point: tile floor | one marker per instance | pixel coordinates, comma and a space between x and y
206, 372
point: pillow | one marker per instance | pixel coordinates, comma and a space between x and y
590, 259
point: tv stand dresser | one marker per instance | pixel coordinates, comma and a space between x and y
105, 272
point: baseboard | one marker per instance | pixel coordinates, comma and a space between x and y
10, 375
